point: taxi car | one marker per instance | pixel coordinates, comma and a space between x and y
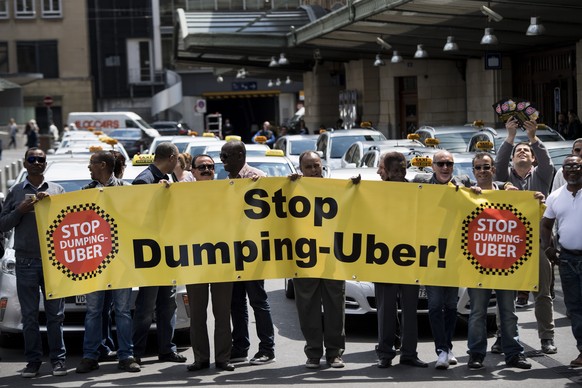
293, 145
353, 155
181, 142
332, 144
71, 173
497, 136
271, 162
453, 138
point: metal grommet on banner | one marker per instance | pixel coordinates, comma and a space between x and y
417, 281
354, 277
479, 285
109, 286
101, 189
238, 277
535, 287
420, 186
174, 282
231, 182
50, 295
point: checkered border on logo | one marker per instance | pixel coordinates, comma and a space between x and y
474, 262
51, 245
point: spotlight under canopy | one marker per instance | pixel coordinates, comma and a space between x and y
420, 52
451, 45
282, 60
489, 38
379, 61
396, 58
273, 62
535, 28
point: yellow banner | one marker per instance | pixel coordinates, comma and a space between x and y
215, 231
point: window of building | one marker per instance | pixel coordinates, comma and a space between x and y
38, 57
24, 8
52, 9
139, 62
3, 9
3, 57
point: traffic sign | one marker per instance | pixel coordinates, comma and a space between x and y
48, 100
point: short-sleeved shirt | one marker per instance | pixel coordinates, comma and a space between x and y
567, 211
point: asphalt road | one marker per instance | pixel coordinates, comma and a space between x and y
289, 368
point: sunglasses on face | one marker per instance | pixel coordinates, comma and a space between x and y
442, 164
203, 167
34, 159
485, 167
572, 167
577, 150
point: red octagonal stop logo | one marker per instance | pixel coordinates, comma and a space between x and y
496, 238
82, 241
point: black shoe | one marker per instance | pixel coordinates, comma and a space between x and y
109, 356
496, 348
225, 366
413, 362
384, 363
475, 362
137, 359
87, 365
548, 346
172, 357
129, 365
238, 357
518, 361
198, 365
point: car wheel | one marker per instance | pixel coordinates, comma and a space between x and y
289, 289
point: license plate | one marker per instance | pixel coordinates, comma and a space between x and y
80, 300
422, 293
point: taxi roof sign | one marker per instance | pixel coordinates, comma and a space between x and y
421, 161
232, 138
274, 153
142, 159
208, 134
431, 142
484, 145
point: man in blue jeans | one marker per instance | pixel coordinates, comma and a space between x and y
564, 206
162, 299
442, 301
18, 213
484, 169
233, 156
101, 167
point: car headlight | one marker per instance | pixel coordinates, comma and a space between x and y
8, 266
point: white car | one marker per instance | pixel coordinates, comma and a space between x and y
271, 162
332, 145
353, 157
181, 142
293, 145
72, 174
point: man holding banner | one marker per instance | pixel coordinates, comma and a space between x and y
387, 295
233, 156
160, 298
203, 170
484, 170
18, 213
312, 295
442, 301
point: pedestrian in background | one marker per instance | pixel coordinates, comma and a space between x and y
12, 130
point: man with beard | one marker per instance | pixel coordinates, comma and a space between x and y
564, 206
525, 176
233, 156
203, 170
394, 170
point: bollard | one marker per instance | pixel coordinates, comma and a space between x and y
7, 172
15, 170
3, 184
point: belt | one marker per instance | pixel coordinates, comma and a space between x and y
573, 252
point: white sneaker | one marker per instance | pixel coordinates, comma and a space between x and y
451, 359
442, 361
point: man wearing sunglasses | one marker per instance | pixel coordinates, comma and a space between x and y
18, 213
442, 301
525, 176
203, 170
484, 171
564, 208
233, 156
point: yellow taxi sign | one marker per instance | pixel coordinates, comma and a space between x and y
542, 126
233, 138
260, 139
421, 161
479, 123
274, 153
484, 145
431, 142
142, 159
95, 148
413, 136
192, 133
208, 134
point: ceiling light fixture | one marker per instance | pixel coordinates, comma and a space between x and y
420, 52
379, 61
270, 84
451, 45
242, 73
535, 28
492, 15
488, 37
219, 79
288, 81
383, 43
273, 62
396, 58
278, 82
282, 60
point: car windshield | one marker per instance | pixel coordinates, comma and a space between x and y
126, 133
455, 142
298, 146
270, 168
340, 144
